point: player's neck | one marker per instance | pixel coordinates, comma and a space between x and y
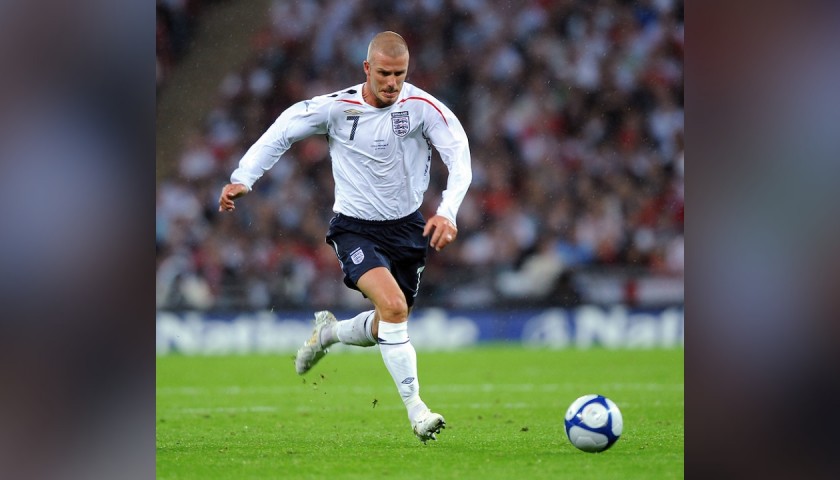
370, 98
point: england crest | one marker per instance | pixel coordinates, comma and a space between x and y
357, 256
400, 123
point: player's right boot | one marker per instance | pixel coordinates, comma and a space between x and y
428, 425
312, 350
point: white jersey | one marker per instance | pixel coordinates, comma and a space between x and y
380, 156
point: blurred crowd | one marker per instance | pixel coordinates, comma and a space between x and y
574, 111
174, 29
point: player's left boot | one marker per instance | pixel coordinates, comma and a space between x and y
428, 425
312, 350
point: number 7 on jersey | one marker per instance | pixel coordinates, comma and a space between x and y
355, 120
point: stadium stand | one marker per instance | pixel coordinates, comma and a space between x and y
574, 110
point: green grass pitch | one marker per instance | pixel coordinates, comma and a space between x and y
244, 417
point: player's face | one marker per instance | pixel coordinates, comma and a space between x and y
385, 77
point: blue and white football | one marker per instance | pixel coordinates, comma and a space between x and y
593, 423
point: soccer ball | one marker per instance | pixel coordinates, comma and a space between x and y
593, 423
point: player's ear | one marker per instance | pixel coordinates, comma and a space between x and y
366, 66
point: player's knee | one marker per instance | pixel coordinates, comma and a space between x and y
393, 310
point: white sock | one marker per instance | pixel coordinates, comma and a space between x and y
356, 331
401, 361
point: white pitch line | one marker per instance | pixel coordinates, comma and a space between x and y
305, 409
454, 388
209, 410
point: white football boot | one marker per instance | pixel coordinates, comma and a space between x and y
428, 425
312, 350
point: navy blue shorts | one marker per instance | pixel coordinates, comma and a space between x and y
398, 245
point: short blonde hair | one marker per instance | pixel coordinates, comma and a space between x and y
388, 43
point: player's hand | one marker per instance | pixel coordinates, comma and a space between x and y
442, 232
229, 193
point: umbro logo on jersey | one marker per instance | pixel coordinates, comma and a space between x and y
353, 111
400, 123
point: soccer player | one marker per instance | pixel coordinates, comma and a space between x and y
381, 135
